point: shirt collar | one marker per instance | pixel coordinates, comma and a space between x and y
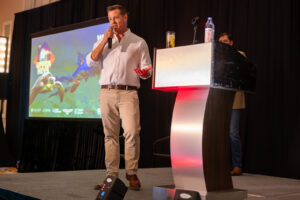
127, 32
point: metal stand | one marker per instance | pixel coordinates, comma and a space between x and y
195, 22
195, 32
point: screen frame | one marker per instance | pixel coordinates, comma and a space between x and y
56, 30
70, 27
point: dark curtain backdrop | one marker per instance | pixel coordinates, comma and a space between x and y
268, 31
62, 145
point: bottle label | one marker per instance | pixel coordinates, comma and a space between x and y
209, 35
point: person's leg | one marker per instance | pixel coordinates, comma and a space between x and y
111, 125
235, 141
130, 116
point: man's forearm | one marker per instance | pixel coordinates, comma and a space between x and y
96, 54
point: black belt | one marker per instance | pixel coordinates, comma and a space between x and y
119, 87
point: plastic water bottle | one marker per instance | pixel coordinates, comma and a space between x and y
209, 30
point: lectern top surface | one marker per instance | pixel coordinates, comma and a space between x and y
186, 66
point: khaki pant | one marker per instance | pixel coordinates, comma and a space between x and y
124, 104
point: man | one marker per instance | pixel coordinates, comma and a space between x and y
238, 107
122, 65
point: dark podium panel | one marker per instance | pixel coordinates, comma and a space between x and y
231, 70
216, 143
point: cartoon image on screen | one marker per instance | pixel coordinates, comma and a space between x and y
61, 83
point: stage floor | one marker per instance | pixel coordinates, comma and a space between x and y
79, 184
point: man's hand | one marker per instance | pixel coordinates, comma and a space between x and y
144, 73
108, 34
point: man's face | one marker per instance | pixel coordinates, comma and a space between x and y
225, 39
116, 20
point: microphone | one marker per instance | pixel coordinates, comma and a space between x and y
195, 21
110, 40
109, 43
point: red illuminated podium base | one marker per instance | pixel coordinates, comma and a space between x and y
200, 147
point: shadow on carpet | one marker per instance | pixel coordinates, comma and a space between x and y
9, 195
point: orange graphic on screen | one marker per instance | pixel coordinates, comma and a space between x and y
43, 59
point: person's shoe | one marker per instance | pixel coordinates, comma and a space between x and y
134, 182
236, 171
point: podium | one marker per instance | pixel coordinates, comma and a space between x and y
205, 77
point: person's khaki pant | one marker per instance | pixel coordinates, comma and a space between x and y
124, 104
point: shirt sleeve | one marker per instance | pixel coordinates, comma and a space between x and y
89, 61
145, 60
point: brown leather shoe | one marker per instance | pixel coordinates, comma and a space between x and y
236, 171
134, 182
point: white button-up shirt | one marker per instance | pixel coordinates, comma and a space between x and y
118, 63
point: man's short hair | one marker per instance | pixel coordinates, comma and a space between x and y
226, 34
117, 6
